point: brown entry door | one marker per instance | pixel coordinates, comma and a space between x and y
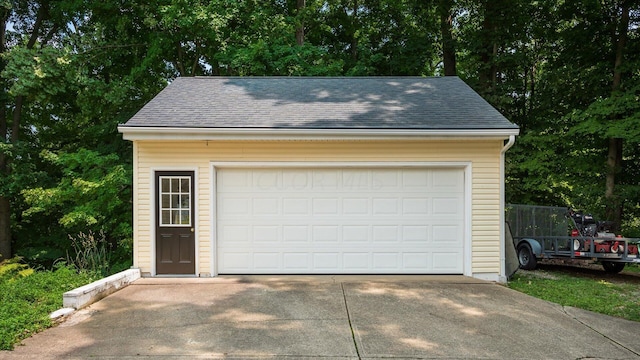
175, 237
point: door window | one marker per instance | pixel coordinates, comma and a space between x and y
175, 201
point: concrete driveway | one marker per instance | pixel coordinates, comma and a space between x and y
330, 317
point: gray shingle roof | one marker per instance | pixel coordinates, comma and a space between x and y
320, 103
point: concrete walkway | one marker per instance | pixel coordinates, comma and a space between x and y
339, 317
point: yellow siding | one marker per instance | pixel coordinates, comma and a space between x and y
175, 155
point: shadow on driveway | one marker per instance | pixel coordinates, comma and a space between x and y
330, 317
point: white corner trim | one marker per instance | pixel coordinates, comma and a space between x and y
179, 133
468, 219
213, 221
490, 277
503, 251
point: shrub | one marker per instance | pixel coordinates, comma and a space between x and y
12, 269
28, 297
92, 253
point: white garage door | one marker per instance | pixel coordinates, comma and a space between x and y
340, 221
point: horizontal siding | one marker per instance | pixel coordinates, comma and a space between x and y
174, 155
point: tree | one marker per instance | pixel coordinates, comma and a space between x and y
574, 112
300, 4
445, 10
67, 90
70, 71
614, 156
33, 24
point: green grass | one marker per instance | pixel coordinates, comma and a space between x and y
26, 300
597, 295
635, 268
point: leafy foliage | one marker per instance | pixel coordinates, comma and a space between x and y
92, 189
14, 268
27, 301
72, 70
91, 253
93, 194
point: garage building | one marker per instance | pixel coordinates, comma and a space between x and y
307, 175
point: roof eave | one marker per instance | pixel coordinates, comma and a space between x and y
134, 133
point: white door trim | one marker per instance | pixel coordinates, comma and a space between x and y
464, 165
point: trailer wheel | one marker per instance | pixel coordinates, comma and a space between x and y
526, 258
576, 244
612, 267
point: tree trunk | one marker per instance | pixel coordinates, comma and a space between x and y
445, 8
354, 39
615, 145
5, 208
489, 47
179, 62
5, 228
300, 28
5, 205
620, 44
14, 135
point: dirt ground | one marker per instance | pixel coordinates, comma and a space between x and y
585, 269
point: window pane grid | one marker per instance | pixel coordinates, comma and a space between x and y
175, 201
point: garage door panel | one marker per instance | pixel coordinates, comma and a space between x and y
340, 220
325, 180
385, 180
356, 261
296, 180
239, 262
239, 233
234, 206
446, 234
295, 234
234, 180
446, 261
355, 233
385, 233
296, 206
266, 179
296, 261
268, 233
355, 206
324, 233
418, 262
355, 179
414, 179
265, 206
382, 206
266, 261
386, 261
417, 235
443, 179
447, 206
328, 261
325, 206
415, 206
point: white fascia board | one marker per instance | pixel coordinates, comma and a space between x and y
166, 133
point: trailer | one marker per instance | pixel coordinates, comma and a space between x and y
549, 232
